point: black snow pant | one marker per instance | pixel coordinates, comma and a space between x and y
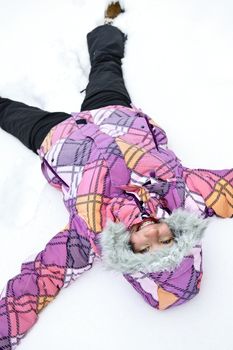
106, 87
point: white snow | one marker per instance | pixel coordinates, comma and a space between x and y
178, 69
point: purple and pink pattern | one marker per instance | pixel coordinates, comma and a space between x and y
113, 166
64, 258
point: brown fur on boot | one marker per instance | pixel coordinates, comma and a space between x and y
113, 10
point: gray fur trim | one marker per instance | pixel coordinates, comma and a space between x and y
187, 228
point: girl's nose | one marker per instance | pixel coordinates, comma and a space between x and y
154, 235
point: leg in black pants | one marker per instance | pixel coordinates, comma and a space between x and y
106, 87
29, 124
106, 84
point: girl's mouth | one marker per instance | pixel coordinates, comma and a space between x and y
147, 222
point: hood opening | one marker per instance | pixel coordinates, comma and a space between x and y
187, 228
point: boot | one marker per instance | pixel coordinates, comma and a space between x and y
112, 11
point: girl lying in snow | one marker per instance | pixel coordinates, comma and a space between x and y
122, 187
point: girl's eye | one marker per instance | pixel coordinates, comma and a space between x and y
167, 241
145, 250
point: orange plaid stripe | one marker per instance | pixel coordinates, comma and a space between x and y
131, 153
89, 208
43, 302
221, 199
144, 194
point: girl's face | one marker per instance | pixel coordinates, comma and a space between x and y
150, 235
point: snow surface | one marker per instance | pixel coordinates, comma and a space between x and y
178, 69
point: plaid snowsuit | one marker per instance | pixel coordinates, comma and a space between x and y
113, 164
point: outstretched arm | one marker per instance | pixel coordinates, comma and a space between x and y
66, 256
215, 187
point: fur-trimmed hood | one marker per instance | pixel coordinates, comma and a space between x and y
187, 228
